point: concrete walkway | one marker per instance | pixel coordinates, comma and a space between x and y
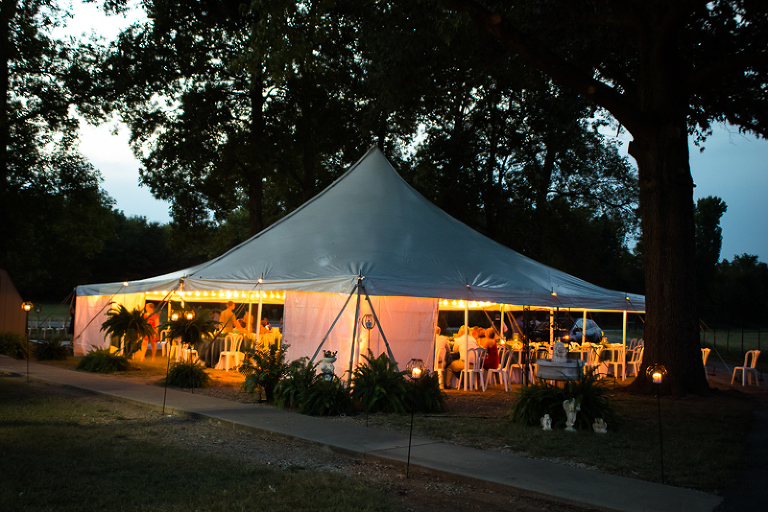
551, 480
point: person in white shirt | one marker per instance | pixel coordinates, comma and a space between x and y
461, 342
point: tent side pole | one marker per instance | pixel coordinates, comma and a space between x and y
258, 313
466, 344
381, 331
584, 327
624, 330
354, 336
332, 325
501, 327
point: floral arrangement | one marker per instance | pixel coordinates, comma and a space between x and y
329, 353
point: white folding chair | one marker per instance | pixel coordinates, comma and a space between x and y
473, 369
616, 361
440, 366
634, 361
502, 373
750, 362
231, 352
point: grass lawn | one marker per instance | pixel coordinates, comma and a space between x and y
702, 437
63, 453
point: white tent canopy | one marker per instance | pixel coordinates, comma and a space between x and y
370, 224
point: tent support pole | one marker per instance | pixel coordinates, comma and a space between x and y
258, 312
584, 327
466, 345
354, 333
333, 325
381, 331
501, 327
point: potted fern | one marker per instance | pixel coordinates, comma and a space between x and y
191, 326
130, 326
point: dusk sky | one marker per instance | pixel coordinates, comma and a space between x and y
732, 166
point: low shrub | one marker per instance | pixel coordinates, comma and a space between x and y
425, 395
533, 402
13, 345
52, 350
264, 369
103, 361
310, 393
378, 386
326, 398
187, 374
302, 376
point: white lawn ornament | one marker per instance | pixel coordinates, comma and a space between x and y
546, 422
600, 426
571, 408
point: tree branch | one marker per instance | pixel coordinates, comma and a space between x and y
700, 79
564, 73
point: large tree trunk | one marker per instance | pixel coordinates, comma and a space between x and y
666, 206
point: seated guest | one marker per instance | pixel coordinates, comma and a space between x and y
246, 323
488, 342
461, 343
264, 329
441, 342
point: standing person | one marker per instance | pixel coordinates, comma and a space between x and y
153, 319
227, 319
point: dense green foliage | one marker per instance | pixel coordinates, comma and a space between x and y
52, 350
103, 361
187, 374
664, 71
307, 390
13, 345
377, 386
128, 326
192, 331
327, 398
533, 402
424, 394
264, 368
51, 201
302, 375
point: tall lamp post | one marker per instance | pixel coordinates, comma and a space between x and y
657, 372
27, 307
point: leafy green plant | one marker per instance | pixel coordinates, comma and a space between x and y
326, 398
192, 330
264, 369
103, 361
301, 376
536, 400
130, 325
424, 394
309, 392
52, 350
187, 374
13, 345
378, 387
